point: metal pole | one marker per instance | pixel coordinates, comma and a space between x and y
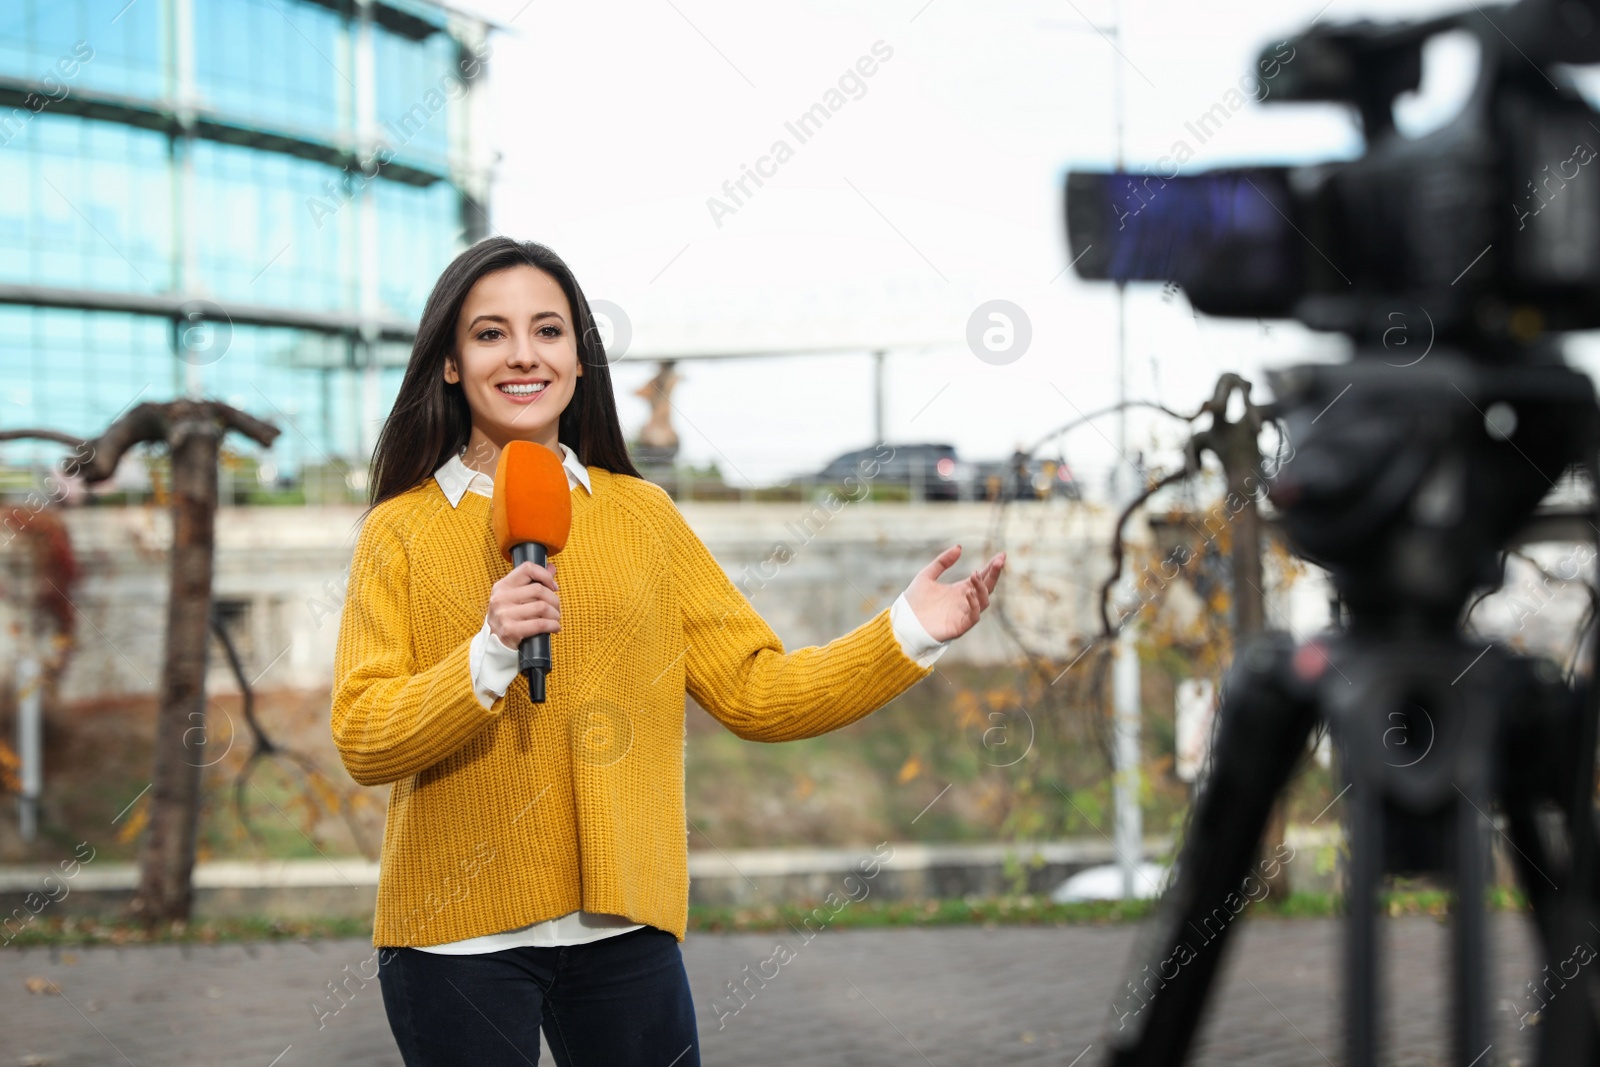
1122, 288
877, 396
1129, 830
29, 750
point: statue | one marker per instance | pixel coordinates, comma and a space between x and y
658, 441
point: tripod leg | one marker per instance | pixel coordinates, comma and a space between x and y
1568, 1026
1364, 826
1470, 930
1265, 720
1546, 762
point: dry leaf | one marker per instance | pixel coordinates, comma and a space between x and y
909, 770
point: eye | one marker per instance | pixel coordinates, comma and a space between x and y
555, 331
485, 335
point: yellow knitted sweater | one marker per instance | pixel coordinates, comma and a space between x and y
508, 816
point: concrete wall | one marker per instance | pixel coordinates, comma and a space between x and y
812, 573
347, 888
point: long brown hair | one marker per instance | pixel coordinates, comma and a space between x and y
431, 421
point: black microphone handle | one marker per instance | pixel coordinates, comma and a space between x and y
533, 655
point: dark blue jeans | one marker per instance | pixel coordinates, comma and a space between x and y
621, 1001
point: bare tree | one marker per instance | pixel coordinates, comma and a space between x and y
1236, 444
193, 431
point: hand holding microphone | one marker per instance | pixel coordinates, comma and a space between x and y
532, 516
525, 602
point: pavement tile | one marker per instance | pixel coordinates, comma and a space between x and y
949, 996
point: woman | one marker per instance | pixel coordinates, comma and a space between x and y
534, 864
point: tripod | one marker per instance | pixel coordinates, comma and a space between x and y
1406, 484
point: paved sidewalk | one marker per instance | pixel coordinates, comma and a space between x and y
944, 997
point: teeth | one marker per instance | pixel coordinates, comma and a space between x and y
523, 390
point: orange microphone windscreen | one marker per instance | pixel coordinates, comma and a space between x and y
531, 498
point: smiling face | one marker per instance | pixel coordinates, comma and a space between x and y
516, 359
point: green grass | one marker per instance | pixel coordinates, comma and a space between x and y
1024, 910
1028, 910
90, 930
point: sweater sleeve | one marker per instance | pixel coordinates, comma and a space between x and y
389, 719
737, 669
914, 638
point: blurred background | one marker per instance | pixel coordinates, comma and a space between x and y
812, 239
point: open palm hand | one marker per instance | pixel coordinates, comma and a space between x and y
948, 611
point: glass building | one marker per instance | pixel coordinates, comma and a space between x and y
243, 199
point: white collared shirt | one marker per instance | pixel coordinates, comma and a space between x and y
494, 667
456, 478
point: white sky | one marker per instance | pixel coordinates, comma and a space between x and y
936, 190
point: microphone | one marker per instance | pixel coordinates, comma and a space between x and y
532, 516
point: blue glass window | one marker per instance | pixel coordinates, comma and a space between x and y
76, 372
270, 231
105, 45
416, 84
285, 65
419, 232
88, 205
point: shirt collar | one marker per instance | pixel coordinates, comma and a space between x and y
455, 477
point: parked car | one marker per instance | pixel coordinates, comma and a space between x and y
1021, 478
934, 469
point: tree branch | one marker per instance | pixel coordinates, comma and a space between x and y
150, 421
1112, 410
262, 433
1106, 629
43, 435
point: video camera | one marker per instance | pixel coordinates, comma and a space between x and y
1491, 223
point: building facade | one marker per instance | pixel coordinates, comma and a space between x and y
243, 199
